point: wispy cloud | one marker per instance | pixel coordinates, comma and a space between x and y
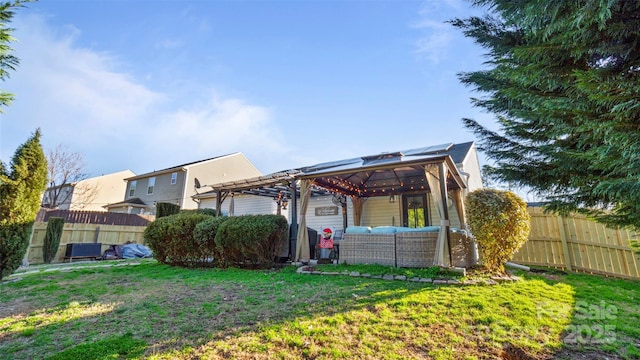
436, 35
83, 98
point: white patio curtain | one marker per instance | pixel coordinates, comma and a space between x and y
302, 241
433, 179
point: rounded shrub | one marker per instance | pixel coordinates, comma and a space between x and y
171, 238
500, 223
253, 240
205, 233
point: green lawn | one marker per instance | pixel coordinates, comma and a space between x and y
158, 312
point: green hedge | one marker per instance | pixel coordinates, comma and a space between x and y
205, 234
253, 240
14, 241
166, 209
55, 225
171, 238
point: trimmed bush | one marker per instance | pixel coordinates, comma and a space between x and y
171, 238
55, 225
165, 209
253, 240
205, 234
500, 223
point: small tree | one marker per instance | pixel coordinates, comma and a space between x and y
66, 171
55, 225
500, 223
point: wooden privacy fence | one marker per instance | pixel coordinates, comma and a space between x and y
578, 244
83, 233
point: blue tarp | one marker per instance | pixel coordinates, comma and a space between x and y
133, 251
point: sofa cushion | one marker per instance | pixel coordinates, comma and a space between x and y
358, 230
420, 229
384, 230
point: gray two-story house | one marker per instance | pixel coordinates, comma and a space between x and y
176, 184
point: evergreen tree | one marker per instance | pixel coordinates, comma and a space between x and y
20, 193
7, 60
563, 81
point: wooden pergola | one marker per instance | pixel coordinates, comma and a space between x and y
428, 169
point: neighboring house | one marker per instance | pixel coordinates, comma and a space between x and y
177, 184
89, 194
414, 208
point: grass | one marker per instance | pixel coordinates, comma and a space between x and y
154, 311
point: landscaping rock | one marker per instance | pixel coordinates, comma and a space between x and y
387, 277
354, 274
400, 277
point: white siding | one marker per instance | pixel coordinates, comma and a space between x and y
471, 166
333, 221
378, 211
244, 205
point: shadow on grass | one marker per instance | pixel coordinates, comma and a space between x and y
603, 318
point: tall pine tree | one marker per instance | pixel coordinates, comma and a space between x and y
20, 194
563, 81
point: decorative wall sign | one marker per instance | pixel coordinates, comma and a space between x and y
326, 210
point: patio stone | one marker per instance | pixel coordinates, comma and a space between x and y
415, 279
365, 275
376, 277
354, 274
400, 277
439, 282
331, 273
426, 280
387, 277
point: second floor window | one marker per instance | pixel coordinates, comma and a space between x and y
174, 178
132, 188
152, 183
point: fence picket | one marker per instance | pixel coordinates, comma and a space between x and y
577, 243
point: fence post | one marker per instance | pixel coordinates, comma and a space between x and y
565, 246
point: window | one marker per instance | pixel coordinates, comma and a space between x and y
174, 178
152, 183
132, 188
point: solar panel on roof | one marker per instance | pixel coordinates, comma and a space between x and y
331, 164
428, 150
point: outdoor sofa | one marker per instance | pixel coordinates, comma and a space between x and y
403, 247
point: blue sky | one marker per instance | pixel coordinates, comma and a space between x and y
145, 85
